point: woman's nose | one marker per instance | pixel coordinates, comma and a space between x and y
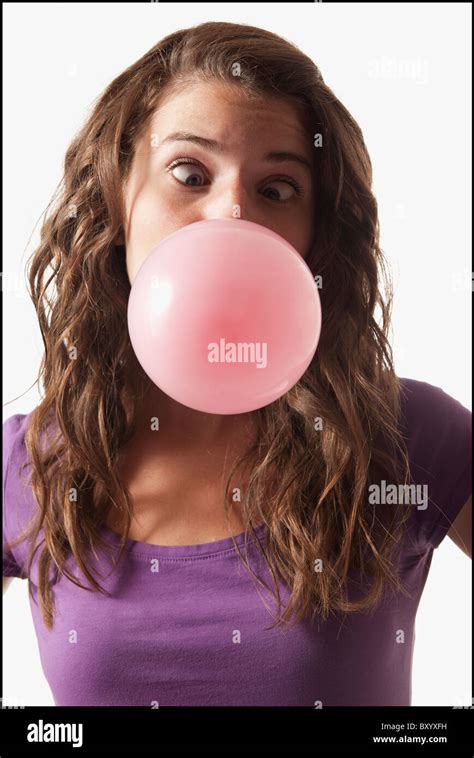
230, 201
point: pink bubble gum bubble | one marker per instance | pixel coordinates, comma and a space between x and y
224, 316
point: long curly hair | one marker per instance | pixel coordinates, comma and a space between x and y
309, 485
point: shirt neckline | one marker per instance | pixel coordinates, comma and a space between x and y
181, 551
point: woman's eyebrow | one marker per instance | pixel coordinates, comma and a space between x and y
217, 147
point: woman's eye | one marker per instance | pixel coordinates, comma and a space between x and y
288, 190
186, 171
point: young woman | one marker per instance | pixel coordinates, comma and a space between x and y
255, 559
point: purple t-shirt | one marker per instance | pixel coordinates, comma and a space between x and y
187, 625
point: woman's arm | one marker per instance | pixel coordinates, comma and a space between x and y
461, 528
6, 582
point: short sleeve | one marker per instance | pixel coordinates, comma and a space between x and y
438, 433
14, 508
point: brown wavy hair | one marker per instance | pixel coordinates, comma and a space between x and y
308, 485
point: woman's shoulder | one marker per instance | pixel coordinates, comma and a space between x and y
14, 431
18, 502
437, 429
434, 423
15, 425
14, 450
422, 398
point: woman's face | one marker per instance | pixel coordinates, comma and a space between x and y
233, 177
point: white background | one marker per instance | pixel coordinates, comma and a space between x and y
402, 70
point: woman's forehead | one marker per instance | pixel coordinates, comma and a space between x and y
224, 112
